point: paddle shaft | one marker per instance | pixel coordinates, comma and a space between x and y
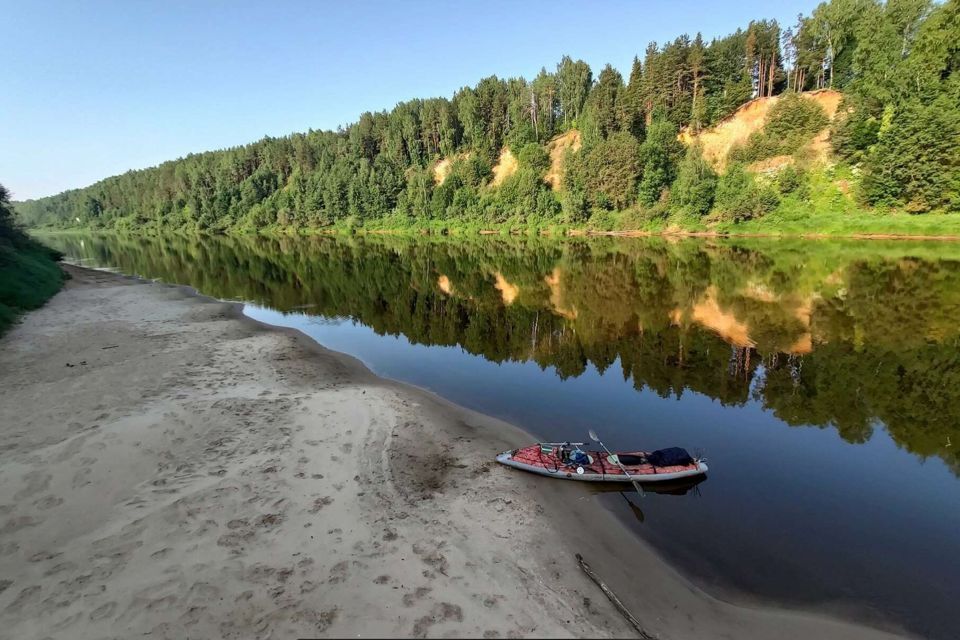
622, 468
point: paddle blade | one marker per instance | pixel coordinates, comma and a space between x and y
593, 435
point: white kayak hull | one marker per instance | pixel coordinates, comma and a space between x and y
571, 474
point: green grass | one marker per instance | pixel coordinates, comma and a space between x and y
830, 209
29, 276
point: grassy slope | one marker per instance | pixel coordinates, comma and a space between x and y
830, 211
29, 276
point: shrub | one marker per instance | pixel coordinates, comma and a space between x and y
739, 196
790, 124
853, 132
795, 180
611, 168
535, 157
29, 273
795, 115
696, 183
658, 159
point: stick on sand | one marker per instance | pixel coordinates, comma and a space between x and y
614, 599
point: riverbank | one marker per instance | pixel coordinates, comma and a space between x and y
29, 274
172, 467
790, 223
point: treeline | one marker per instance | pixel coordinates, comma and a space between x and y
29, 273
896, 61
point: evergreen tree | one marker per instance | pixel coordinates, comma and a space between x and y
605, 101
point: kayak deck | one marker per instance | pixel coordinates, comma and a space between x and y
549, 460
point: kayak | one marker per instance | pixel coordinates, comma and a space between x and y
566, 460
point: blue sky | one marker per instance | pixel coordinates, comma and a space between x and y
95, 88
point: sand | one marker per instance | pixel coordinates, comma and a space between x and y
557, 148
507, 165
172, 468
735, 129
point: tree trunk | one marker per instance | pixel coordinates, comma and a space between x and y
772, 74
533, 114
760, 77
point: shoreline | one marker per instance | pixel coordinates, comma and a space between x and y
476, 549
569, 233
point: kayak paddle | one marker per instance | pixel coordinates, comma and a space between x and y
596, 438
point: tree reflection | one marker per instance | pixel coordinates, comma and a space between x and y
839, 335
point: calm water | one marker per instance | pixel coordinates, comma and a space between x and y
820, 379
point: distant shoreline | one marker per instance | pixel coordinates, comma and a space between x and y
561, 232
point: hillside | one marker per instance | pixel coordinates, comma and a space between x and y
29, 273
557, 148
494, 155
736, 129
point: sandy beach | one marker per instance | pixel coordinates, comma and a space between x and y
171, 468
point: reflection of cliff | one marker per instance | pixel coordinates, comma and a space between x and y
724, 323
508, 292
558, 302
830, 340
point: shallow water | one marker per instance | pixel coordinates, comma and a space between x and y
821, 380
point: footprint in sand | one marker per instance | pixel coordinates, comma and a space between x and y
326, 619
338, 573
203, 591
34, 482
432, 557
80, 478
12, 526
441, 612
68, 621
60, 568
162, 604
103, 611
26, 596
492, 600
410, 599
269, 520
43, 555
320, 503
48, 502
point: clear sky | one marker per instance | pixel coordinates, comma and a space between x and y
94, 88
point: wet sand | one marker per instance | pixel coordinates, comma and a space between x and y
173, 468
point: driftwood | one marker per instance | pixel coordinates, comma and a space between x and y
614, 599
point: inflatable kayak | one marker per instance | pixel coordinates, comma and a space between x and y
566, 460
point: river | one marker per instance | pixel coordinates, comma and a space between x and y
821, 379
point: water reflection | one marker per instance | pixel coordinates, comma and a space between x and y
821, 378
634, 501
841, 336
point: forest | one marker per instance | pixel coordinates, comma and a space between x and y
572, 148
